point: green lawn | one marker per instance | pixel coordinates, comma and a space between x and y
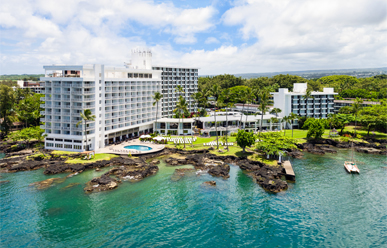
98, 157
63, 153
301, 134
362, 132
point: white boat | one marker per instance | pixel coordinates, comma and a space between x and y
351, 166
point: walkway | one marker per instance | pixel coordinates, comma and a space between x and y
290, 175
119, 149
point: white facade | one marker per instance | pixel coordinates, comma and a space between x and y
119, 97
318, 107
233, 121
172, 77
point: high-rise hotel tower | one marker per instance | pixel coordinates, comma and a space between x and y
119, 97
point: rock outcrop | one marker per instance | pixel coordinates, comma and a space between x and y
47, 183
210, 183
270, 178
368, 150
111, 179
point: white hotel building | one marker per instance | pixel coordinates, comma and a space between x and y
120, 98
292, 102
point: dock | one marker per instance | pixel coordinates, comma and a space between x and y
290, 175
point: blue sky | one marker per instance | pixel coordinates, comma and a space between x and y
241, 36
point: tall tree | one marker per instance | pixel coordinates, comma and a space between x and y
197, 97
249, 99
179, 90
243, 99
287, 120
308, 94
292, 117
275, 111
264, 105
215, 92
86, 117
181, 107
225, 98
157, 97
7, 101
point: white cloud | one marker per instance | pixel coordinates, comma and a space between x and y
211, 40
279, 35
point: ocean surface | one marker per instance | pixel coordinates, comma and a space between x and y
326, 207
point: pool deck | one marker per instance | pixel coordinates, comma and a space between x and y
120, 150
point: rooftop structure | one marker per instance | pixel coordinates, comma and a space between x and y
32, 85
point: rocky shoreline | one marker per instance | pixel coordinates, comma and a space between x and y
133, 169
126, 168
322, 146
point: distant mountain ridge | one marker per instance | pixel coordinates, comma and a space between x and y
309, 74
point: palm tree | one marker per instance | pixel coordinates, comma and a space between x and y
197, 97
215, 92
157, 97
307, 95
292, 117
181, 107
274, 120
242, 98
275, 111
356, 106
86, 116
249, 99
287, 120
179, 89
264, 105
225, 98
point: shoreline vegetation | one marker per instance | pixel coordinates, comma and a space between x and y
264, 171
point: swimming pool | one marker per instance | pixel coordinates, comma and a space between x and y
138, 147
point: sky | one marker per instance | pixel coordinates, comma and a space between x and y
219, 37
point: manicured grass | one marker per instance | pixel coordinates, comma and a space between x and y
362, 132
198, 144
63, 153
98, 157
301, 134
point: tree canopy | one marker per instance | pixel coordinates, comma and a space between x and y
272, 143
244, 139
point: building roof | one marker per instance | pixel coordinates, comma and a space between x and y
350, 101
250, 118
184, 120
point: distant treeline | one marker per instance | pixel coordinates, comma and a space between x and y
347, 86
33, 77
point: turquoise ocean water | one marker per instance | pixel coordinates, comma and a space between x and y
326, 207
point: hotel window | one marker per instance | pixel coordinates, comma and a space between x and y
68, 146
50, 144
59, 145
130, 75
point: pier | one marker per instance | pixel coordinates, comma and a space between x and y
289, 172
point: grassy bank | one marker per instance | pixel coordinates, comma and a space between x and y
233, 150
97, 157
